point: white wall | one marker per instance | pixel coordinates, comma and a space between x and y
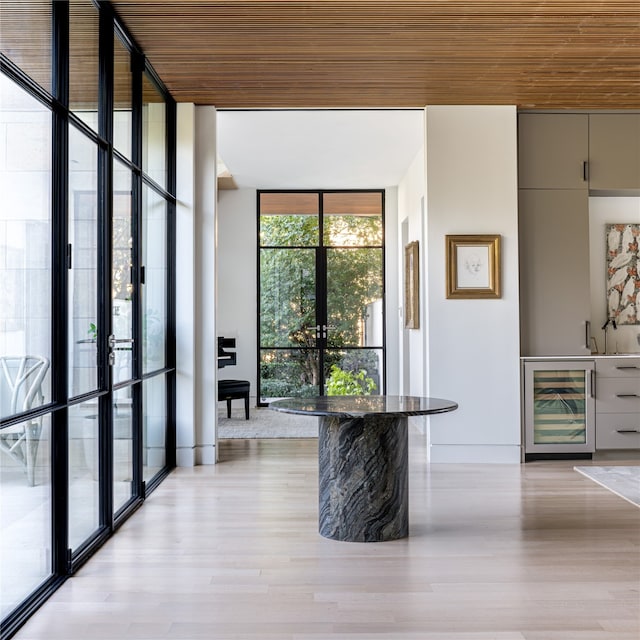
392, 293
411, 209
602, 211
473, 345
236, 281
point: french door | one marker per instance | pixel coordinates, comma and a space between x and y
321, 293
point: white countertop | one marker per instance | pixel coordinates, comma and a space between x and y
593, 356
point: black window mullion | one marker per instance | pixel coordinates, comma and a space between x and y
170, 344
59, 290
321, 294
105, 208
137, 67
384, 293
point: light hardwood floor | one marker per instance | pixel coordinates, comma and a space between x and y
496, 552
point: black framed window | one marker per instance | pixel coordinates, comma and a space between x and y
87, 132
321, 327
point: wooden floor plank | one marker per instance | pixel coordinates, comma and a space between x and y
231, 552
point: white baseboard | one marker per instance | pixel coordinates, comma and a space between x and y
185, 457
470, 453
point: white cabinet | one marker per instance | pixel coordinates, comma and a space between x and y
559, 407
614, 151
618, 403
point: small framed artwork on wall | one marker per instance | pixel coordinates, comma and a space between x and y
473, 266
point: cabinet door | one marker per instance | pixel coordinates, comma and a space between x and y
559, 407
554, 272
614, 151
552, 151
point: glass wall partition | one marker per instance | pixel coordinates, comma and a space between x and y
25, 344
87, 177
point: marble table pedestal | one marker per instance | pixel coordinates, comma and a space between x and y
364, 466
363, 461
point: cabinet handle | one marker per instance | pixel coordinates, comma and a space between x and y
627, 366
591, 383
587, 334
585, 170
628, 430
627, 395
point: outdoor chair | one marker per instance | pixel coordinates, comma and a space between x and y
21, 377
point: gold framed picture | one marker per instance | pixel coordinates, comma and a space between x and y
473, 266
412, 286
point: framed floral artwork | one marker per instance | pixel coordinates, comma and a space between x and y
623, 282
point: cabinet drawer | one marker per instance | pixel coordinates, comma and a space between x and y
615, 395
618, 367
618, 431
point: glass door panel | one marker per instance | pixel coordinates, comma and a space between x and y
25, 518
25, 327
123, 485
83, 264
84, 496
353, 372
154, 426
559, 399
288, 298
354, 298
154, 284
121, 277
288, 321
25, 238
289, 372
121, 338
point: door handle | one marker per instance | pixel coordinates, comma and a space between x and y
113, 341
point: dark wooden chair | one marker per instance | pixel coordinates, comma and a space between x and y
234, 390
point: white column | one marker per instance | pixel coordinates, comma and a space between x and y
473, 345
205, 320
185, 286
196, 345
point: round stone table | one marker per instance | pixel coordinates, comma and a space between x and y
363, 461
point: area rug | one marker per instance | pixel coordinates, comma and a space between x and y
623, 481
265, 423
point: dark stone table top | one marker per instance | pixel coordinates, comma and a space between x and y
360, 406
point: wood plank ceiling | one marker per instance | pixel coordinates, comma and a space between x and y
555, 54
